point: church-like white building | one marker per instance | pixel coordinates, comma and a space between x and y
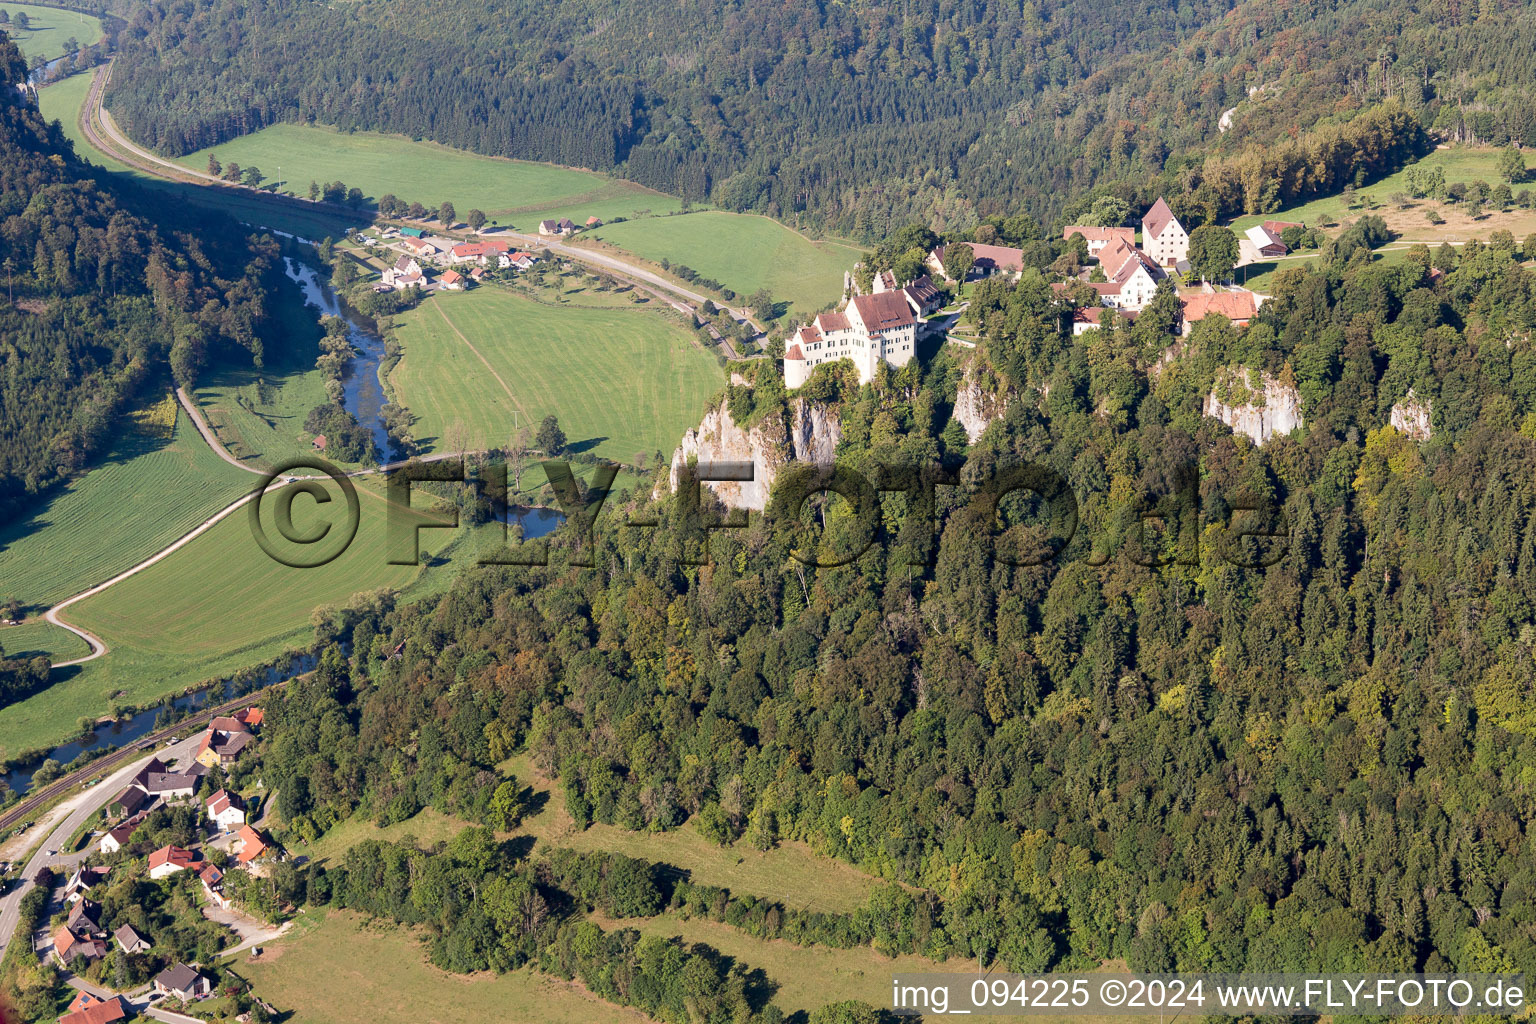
1162, 236
872, 328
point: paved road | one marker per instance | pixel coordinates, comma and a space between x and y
96, 798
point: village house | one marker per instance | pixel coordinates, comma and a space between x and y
406, 273
523, 260
130, 941
1132, 274
118, 834
86, 1008
129, 801
483, 253
452, 280
1266, 243
419, 247
224, 741
561, 227
989, 260
1163, 238
180, 981
168, 860
80, 935
170, 786
1097, 237
870, 330
213, 883
1240, 307
82, 881
226, 810
253, 846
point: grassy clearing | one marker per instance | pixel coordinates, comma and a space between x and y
48, 29
62, 102
148, 491
336, 968
1464, 164
218, 605
37, 636
623, 382
742, 252
424, 172
426, 826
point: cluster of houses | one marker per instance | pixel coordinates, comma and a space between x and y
82, 934
467, 263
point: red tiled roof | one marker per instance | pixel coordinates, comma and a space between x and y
251, 844
1092, 233
1156, 219
827, 323
173, 855
1235, 306
882, 312
793, 352
99, 1011
251, 716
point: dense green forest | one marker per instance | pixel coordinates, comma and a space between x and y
1322, 763
105, 290
856, 117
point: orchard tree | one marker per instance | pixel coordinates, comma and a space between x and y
447, 214
1213, 252
476, 220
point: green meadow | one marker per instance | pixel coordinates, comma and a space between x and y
742, 252
37, 636
624, 382
48, 28
428, 173
149, 490
62, 102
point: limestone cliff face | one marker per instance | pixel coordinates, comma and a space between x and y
977, 405
810, 435
1411, 416
1258, 410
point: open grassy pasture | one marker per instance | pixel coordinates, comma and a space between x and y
425, 172
335, 967
62, 101
37, 636
1464, 164
217, 605
622, 381
48, 28
742, 252
148, 490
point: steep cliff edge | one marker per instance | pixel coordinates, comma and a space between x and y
808, 433
980, 400
1412, 416
1258, 409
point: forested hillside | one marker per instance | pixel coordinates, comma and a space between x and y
100, 298
854, 117
1325, 763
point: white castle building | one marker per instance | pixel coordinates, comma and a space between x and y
872, 328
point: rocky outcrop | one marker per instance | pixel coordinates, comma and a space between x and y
976, 404
1411, 416
810, 435
1258, 410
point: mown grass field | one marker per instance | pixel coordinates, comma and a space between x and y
37, 636
742, 252
425, 172
1464, 164
62, 102
623, 382
48, 29
218, 605
145, 493
338, 968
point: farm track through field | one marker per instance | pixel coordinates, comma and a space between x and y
471, 346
